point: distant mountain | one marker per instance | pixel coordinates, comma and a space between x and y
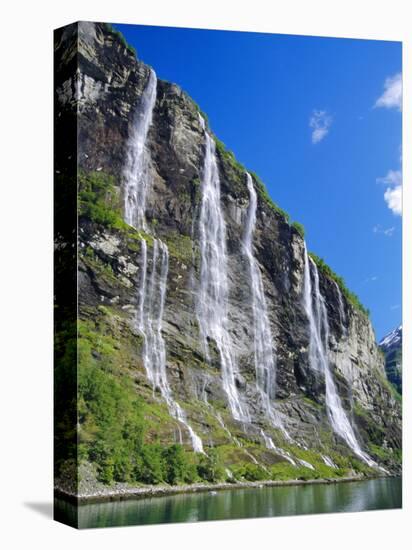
391, 346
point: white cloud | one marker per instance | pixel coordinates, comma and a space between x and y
320, 122
393, 198
396, 306
393, 177
388, 232
392, 95
393, 194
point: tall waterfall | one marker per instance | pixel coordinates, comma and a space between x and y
136, 171
342, 315
212, 304
316, 312
152, 288
265, 363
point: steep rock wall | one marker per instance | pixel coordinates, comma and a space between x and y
104, 83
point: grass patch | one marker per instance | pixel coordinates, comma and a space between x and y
384, 454
99, 199
299, 228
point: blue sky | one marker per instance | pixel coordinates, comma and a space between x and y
319, 120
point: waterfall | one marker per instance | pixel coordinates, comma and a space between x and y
342, 315
152, 287
315, 308
328, 461
270, 445
212, 304
136, 172
265, 364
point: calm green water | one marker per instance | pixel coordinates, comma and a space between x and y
375, 494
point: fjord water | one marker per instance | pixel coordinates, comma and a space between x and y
212, 301
153, 284
374, 494
318, 357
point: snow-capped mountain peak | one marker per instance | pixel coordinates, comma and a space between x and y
392, 339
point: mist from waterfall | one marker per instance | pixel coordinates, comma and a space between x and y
212, 303
153, 281
316, 312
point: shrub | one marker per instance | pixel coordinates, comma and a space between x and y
151, 466
209, 467
299, 228
65, 410
99, 199
176, 464
252, 472
111, 424
113, 420
285, 471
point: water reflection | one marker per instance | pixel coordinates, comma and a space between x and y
377, 494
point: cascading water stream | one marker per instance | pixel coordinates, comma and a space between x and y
152, 289
212, 304
136, 170
328, 461
265, 363
315, 308
342, 315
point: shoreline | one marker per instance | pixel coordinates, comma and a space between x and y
134, 493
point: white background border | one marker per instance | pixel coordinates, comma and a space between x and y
26, 271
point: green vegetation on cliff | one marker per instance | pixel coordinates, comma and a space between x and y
121, 432
113, 419
65, 404
109, 28
99, 199
268, 199
299, 228
351, 297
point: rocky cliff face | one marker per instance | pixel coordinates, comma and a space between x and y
391, 345
100, 78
